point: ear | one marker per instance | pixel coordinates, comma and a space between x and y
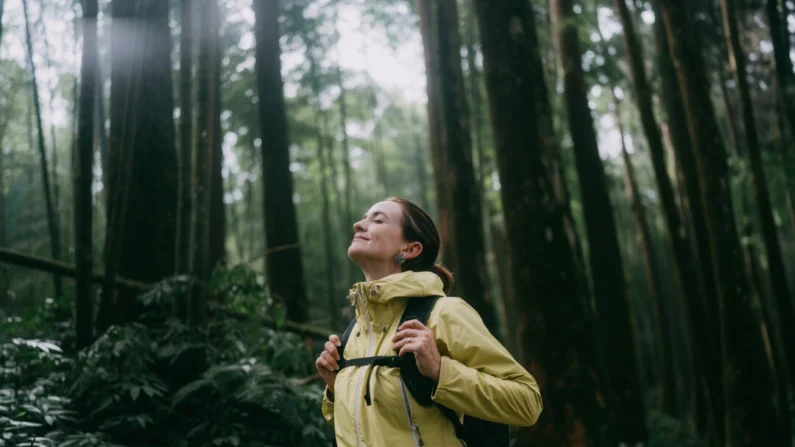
412, 250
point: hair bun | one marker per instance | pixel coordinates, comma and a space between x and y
447, 277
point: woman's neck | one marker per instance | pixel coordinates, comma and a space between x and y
376, 272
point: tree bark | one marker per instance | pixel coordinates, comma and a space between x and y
142, 194
439, 27
778, 275
84, 163
52, 220
283, 255
607, 274
749, 414
556, 334
185, 202
5, 279
420, 161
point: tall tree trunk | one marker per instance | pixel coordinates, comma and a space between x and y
556, 334
99, 124
185, 201
377, 145
52, 221
661, 319
684, 262
2, 8
203, 167
439, 26
438, 162
217, 237
702, 315
777, 21
56, 187
607, 274
84, 175
346, 169
778, 275
748, 388
283, 255
142, 197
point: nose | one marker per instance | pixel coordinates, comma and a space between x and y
358, 226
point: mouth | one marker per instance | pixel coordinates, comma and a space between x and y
360, 238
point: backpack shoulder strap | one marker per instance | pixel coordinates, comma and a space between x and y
345, 337
418, 309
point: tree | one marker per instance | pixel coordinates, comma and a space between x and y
447, 100
142, 191
748, 414
217, 237
83, 172
283, 254
185, 203
684, 265
607, 273
555, 334
52, 219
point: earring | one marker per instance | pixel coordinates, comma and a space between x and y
400, 258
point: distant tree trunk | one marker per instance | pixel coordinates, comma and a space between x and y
2, 7
283, 253
185, 201
346, 170
203, 162
5, 279
778, 275
474, 91
439, 26
52, 220
84, 175
377, 146
419, 161
749, 413
684, 263
143, 166
328, 227
556, 334
99, 123
610, 288
217, 237
661, 318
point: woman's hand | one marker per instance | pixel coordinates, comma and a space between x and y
414, 337
326, 363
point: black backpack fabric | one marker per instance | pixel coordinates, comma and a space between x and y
473, 432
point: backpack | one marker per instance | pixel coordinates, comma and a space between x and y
473, 432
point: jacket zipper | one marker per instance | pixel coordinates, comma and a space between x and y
370, 353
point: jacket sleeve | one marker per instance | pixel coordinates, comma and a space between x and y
328, 406
478, 375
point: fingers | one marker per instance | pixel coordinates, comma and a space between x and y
412, 337
336, 340
327, 362
406, 333
412, 324
414, 347
331, 349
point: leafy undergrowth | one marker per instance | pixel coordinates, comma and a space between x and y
158, 382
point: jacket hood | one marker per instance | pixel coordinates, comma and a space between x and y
399, 285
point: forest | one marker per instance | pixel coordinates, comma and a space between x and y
613, 182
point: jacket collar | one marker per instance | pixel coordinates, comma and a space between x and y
398, 285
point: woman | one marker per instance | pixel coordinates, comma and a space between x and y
396, 245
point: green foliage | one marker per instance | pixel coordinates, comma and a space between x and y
161, 382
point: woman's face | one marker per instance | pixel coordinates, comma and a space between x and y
378, 237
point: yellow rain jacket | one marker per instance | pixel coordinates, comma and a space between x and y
478, 375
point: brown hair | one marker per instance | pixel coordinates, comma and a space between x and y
419, 227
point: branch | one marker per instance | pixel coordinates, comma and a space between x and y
61, 268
